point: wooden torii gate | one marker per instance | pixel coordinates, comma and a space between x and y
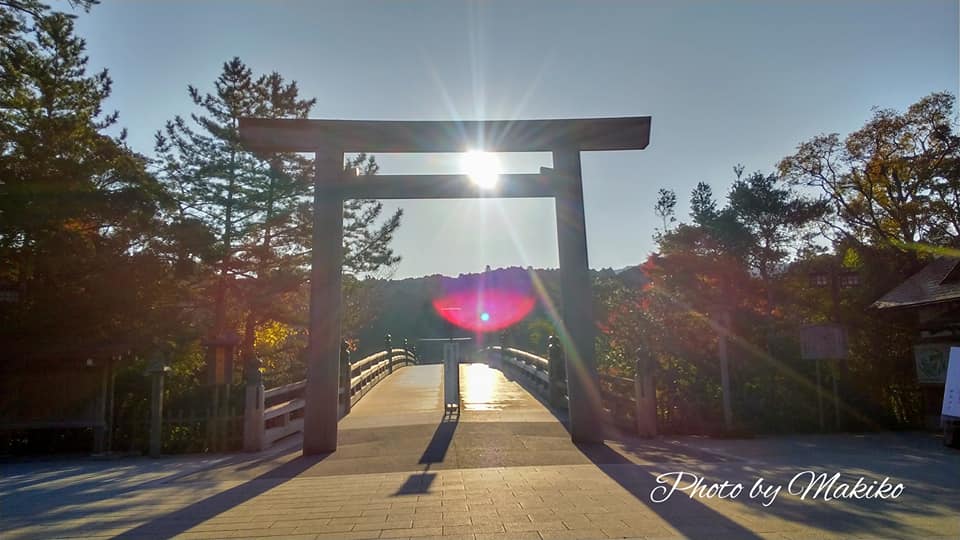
331, 139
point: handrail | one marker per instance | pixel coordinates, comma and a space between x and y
281, 409
360, 364
367, 375
535, 368
285, 389
541, 363
628, 402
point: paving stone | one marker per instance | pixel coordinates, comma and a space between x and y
412, 533
581, 534
476, 528
528, 535
534, 526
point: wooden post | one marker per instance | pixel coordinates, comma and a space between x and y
503, 349
556, 373
345, 375
156, 371
834, 371
835, 316
388, 345
724, 323
225, 414
100, 432
111, 381
323, 365
819, 395
577, 329
253, 426
213, 426
645, 395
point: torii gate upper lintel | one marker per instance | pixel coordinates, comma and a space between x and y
331, 139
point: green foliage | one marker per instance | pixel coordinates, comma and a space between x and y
367, 237
665, 209
256, 214
78, 210
255, 209
105, 252
892, 184
536, 330
895, 181
703, 208
777, 219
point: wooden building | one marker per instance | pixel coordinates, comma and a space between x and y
931, 300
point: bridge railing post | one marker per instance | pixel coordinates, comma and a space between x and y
388, 345
413, 352
253, 426
157, 369
645, 394
345, 377
556, 372
406, 351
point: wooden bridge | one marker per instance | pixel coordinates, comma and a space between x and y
503, 466
628, 404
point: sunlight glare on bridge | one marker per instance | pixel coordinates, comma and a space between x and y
484, 389
480, 392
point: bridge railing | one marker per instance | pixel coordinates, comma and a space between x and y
535, 369
367, 372
628, 403
618, 396
283, 411
278, 412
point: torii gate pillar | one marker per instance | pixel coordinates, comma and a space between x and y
577, 332
321, 406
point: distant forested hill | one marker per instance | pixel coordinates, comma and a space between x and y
405, 308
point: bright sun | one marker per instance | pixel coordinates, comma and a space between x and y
483, 168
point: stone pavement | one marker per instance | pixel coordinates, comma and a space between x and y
503, 468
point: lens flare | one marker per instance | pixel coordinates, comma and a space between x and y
483, 168
486, 302
486, 312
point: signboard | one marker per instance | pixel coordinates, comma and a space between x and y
931, 361
951, 391
823, 342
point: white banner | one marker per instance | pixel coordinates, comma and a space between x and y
951, 392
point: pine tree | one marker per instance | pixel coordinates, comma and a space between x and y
258, 208
77, 208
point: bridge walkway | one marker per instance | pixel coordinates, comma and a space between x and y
401, 425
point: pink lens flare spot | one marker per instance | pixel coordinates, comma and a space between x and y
484, 311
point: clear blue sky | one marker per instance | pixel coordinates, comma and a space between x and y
725, 82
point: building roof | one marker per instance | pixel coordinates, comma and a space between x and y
936, 283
